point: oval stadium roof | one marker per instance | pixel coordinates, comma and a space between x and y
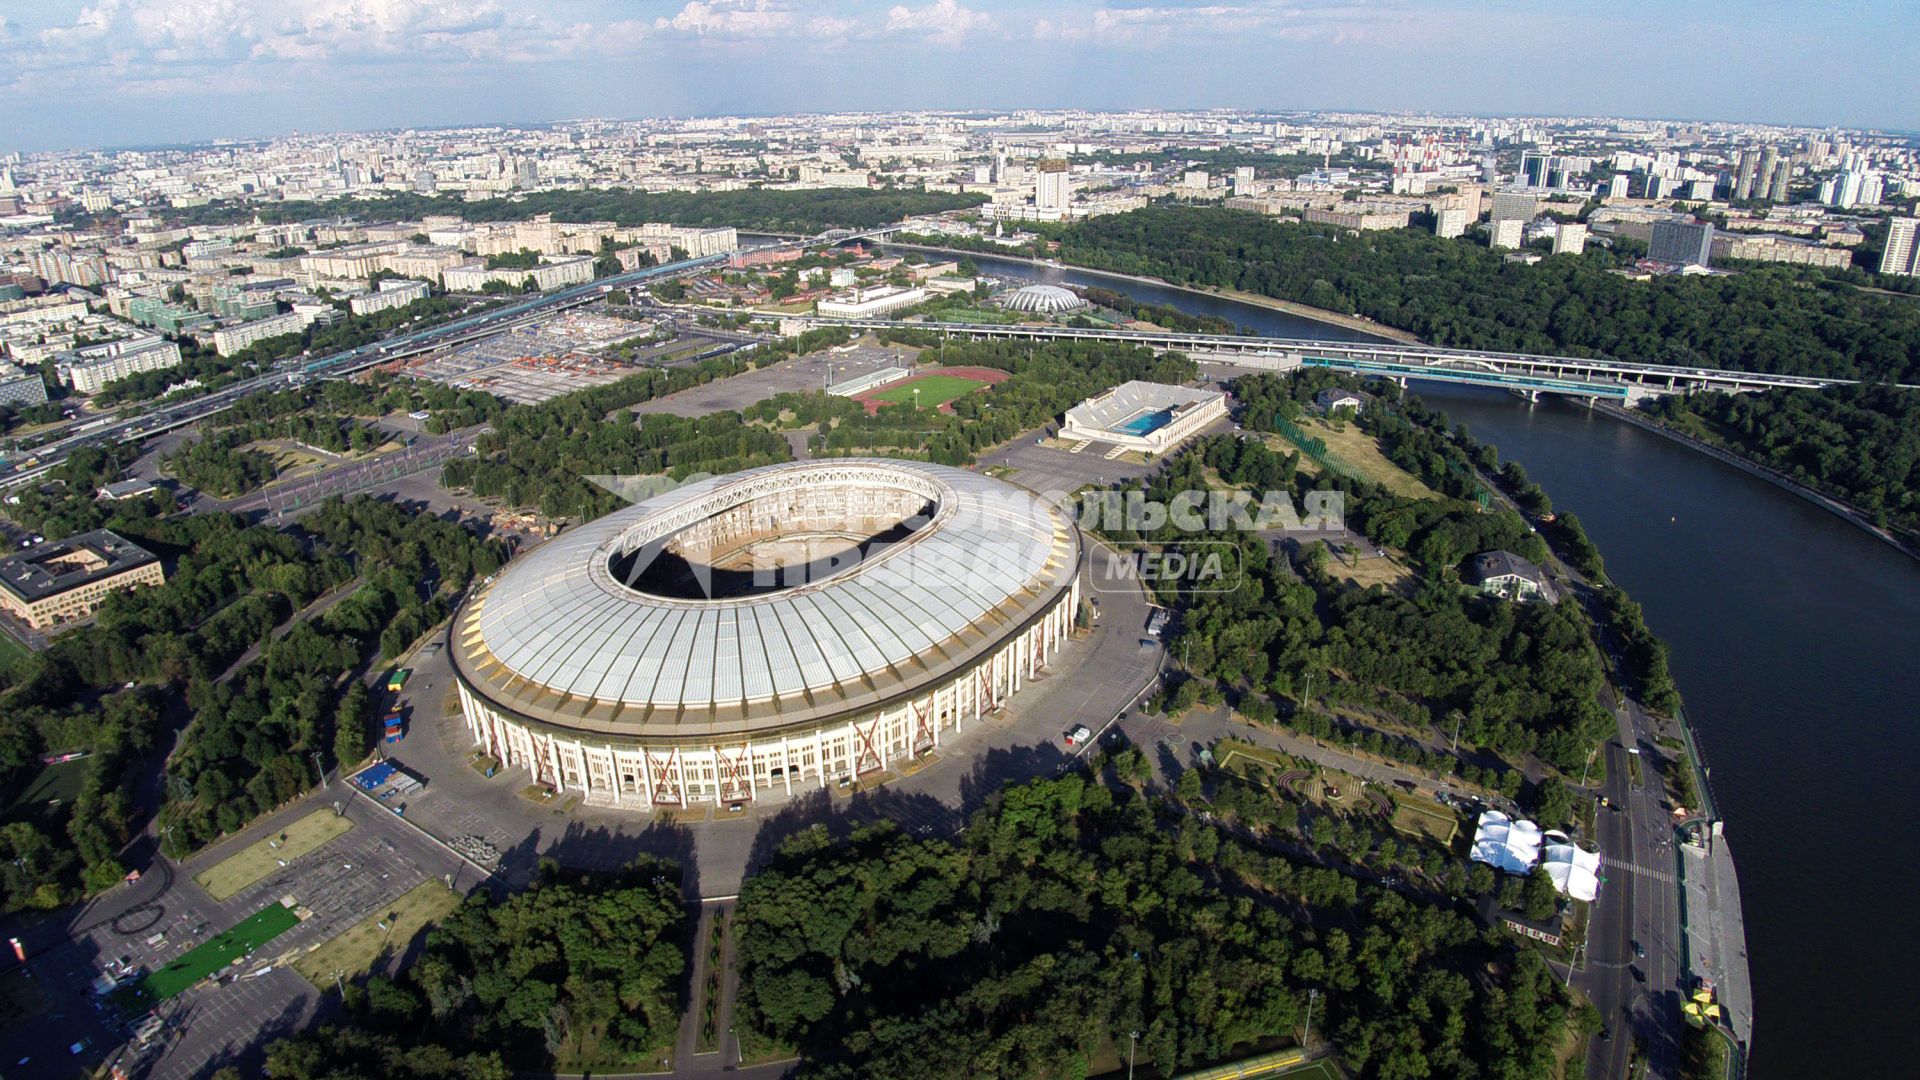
557, 637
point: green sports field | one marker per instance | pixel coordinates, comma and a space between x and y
935, 390
217, 952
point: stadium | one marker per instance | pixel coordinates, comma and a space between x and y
775, 630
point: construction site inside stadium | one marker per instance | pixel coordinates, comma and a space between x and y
768, 632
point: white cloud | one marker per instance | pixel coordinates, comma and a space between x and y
730, 18
943, 22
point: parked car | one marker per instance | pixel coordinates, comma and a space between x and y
1078, 734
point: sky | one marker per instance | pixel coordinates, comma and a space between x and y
90, 73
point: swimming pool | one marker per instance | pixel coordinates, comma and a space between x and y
1146, 423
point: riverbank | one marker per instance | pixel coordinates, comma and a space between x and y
1829, 503
1354, 323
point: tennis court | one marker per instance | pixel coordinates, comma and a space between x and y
219, 951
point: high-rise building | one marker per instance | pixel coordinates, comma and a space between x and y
1749, 164
1617, 186
1777, 184
1243, 180
1569, 239
1769, 157
1686, 243
1902, 254
1535, 169
1196, 179
1054, 189
1450, 221
1507, 233
1514, 206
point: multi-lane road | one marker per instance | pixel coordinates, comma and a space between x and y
300, 371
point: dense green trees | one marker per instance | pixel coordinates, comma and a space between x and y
221, 464
1071, 916
577, 971
749, 208
1459, 294
1861, 443
1519, 678
257, 739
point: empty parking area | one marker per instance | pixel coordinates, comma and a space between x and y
261, 857
815, 371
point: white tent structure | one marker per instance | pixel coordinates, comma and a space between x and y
1506, 844
1575, 872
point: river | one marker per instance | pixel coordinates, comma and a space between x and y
1793, 636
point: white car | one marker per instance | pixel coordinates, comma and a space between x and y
1078, 734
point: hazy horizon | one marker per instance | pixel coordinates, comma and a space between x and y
93, 74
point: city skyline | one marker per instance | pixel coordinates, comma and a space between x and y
193, 70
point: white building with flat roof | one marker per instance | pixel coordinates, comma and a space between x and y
869, 303
232, 339
1149, 417
390, 294
90, 368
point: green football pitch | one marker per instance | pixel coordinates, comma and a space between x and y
935, 390
217, 952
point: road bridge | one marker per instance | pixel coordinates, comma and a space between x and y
1527, 374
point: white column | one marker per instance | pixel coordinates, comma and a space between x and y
646, 775
713, 752
786, 764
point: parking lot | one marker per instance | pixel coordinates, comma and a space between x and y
814, 371
152, 921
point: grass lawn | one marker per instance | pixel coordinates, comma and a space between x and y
935, 390
37, 800
1368, 570
1362, 451
1420, 819
362, 945
11, 652
254, 931
262, 857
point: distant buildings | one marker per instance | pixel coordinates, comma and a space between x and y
1450, 221
1362, 222
1506, 233
1569, 239
1902, 253
1683, 243
1617, 186
390, 294
1765, 247
1054, 188
89, 368
473, 276
19, 388
68, 580
1514, 206
232, 339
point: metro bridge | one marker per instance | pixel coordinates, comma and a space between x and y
1527, 374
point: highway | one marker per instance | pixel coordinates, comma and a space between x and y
301, 371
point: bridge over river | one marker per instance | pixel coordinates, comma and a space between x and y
1527, 374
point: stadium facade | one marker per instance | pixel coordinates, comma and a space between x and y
770, 631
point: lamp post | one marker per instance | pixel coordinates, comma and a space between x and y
1312, 995
1132, 1038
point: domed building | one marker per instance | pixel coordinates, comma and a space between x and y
779, 628
1042, 300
